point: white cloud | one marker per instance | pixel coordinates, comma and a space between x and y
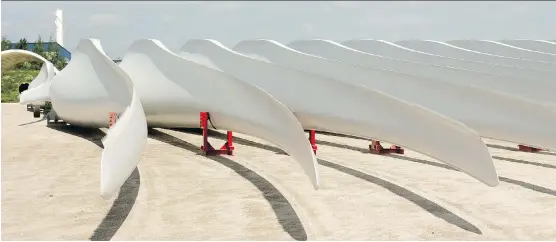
102, 19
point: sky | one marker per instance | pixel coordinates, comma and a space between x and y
118, 24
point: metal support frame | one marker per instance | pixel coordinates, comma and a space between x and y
530, 149
112, 118
312, 140
207, 148
376, 148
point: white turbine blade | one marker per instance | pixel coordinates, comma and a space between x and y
85, 92
425, 131
163, 78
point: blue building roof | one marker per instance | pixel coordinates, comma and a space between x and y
63, 51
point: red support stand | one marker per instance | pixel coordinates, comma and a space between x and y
226, 149
312, 140
525, 148
376, 148
112, 117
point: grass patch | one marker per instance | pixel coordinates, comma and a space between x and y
12, 79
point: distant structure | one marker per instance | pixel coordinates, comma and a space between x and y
59, 38
58, 22
30, 46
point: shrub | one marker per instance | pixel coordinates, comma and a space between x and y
12, 79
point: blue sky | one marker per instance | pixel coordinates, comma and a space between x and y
118, 24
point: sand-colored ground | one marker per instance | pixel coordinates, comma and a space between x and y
50, 191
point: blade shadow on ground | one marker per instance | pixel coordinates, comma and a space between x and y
342, 135
122, 205
343, 146
502, 178
519, 161
429, 206
239, 140
34, 122
426, 204
509, 148
93, 135
523, 184
120, 209
286, 215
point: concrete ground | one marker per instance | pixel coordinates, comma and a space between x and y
50, 191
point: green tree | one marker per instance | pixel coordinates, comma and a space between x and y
27, 71
50, 47
39, 47
11, 80
5, 43
22, 44
29, 66
53, 54
61, 63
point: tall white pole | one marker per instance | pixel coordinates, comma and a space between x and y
59, 27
